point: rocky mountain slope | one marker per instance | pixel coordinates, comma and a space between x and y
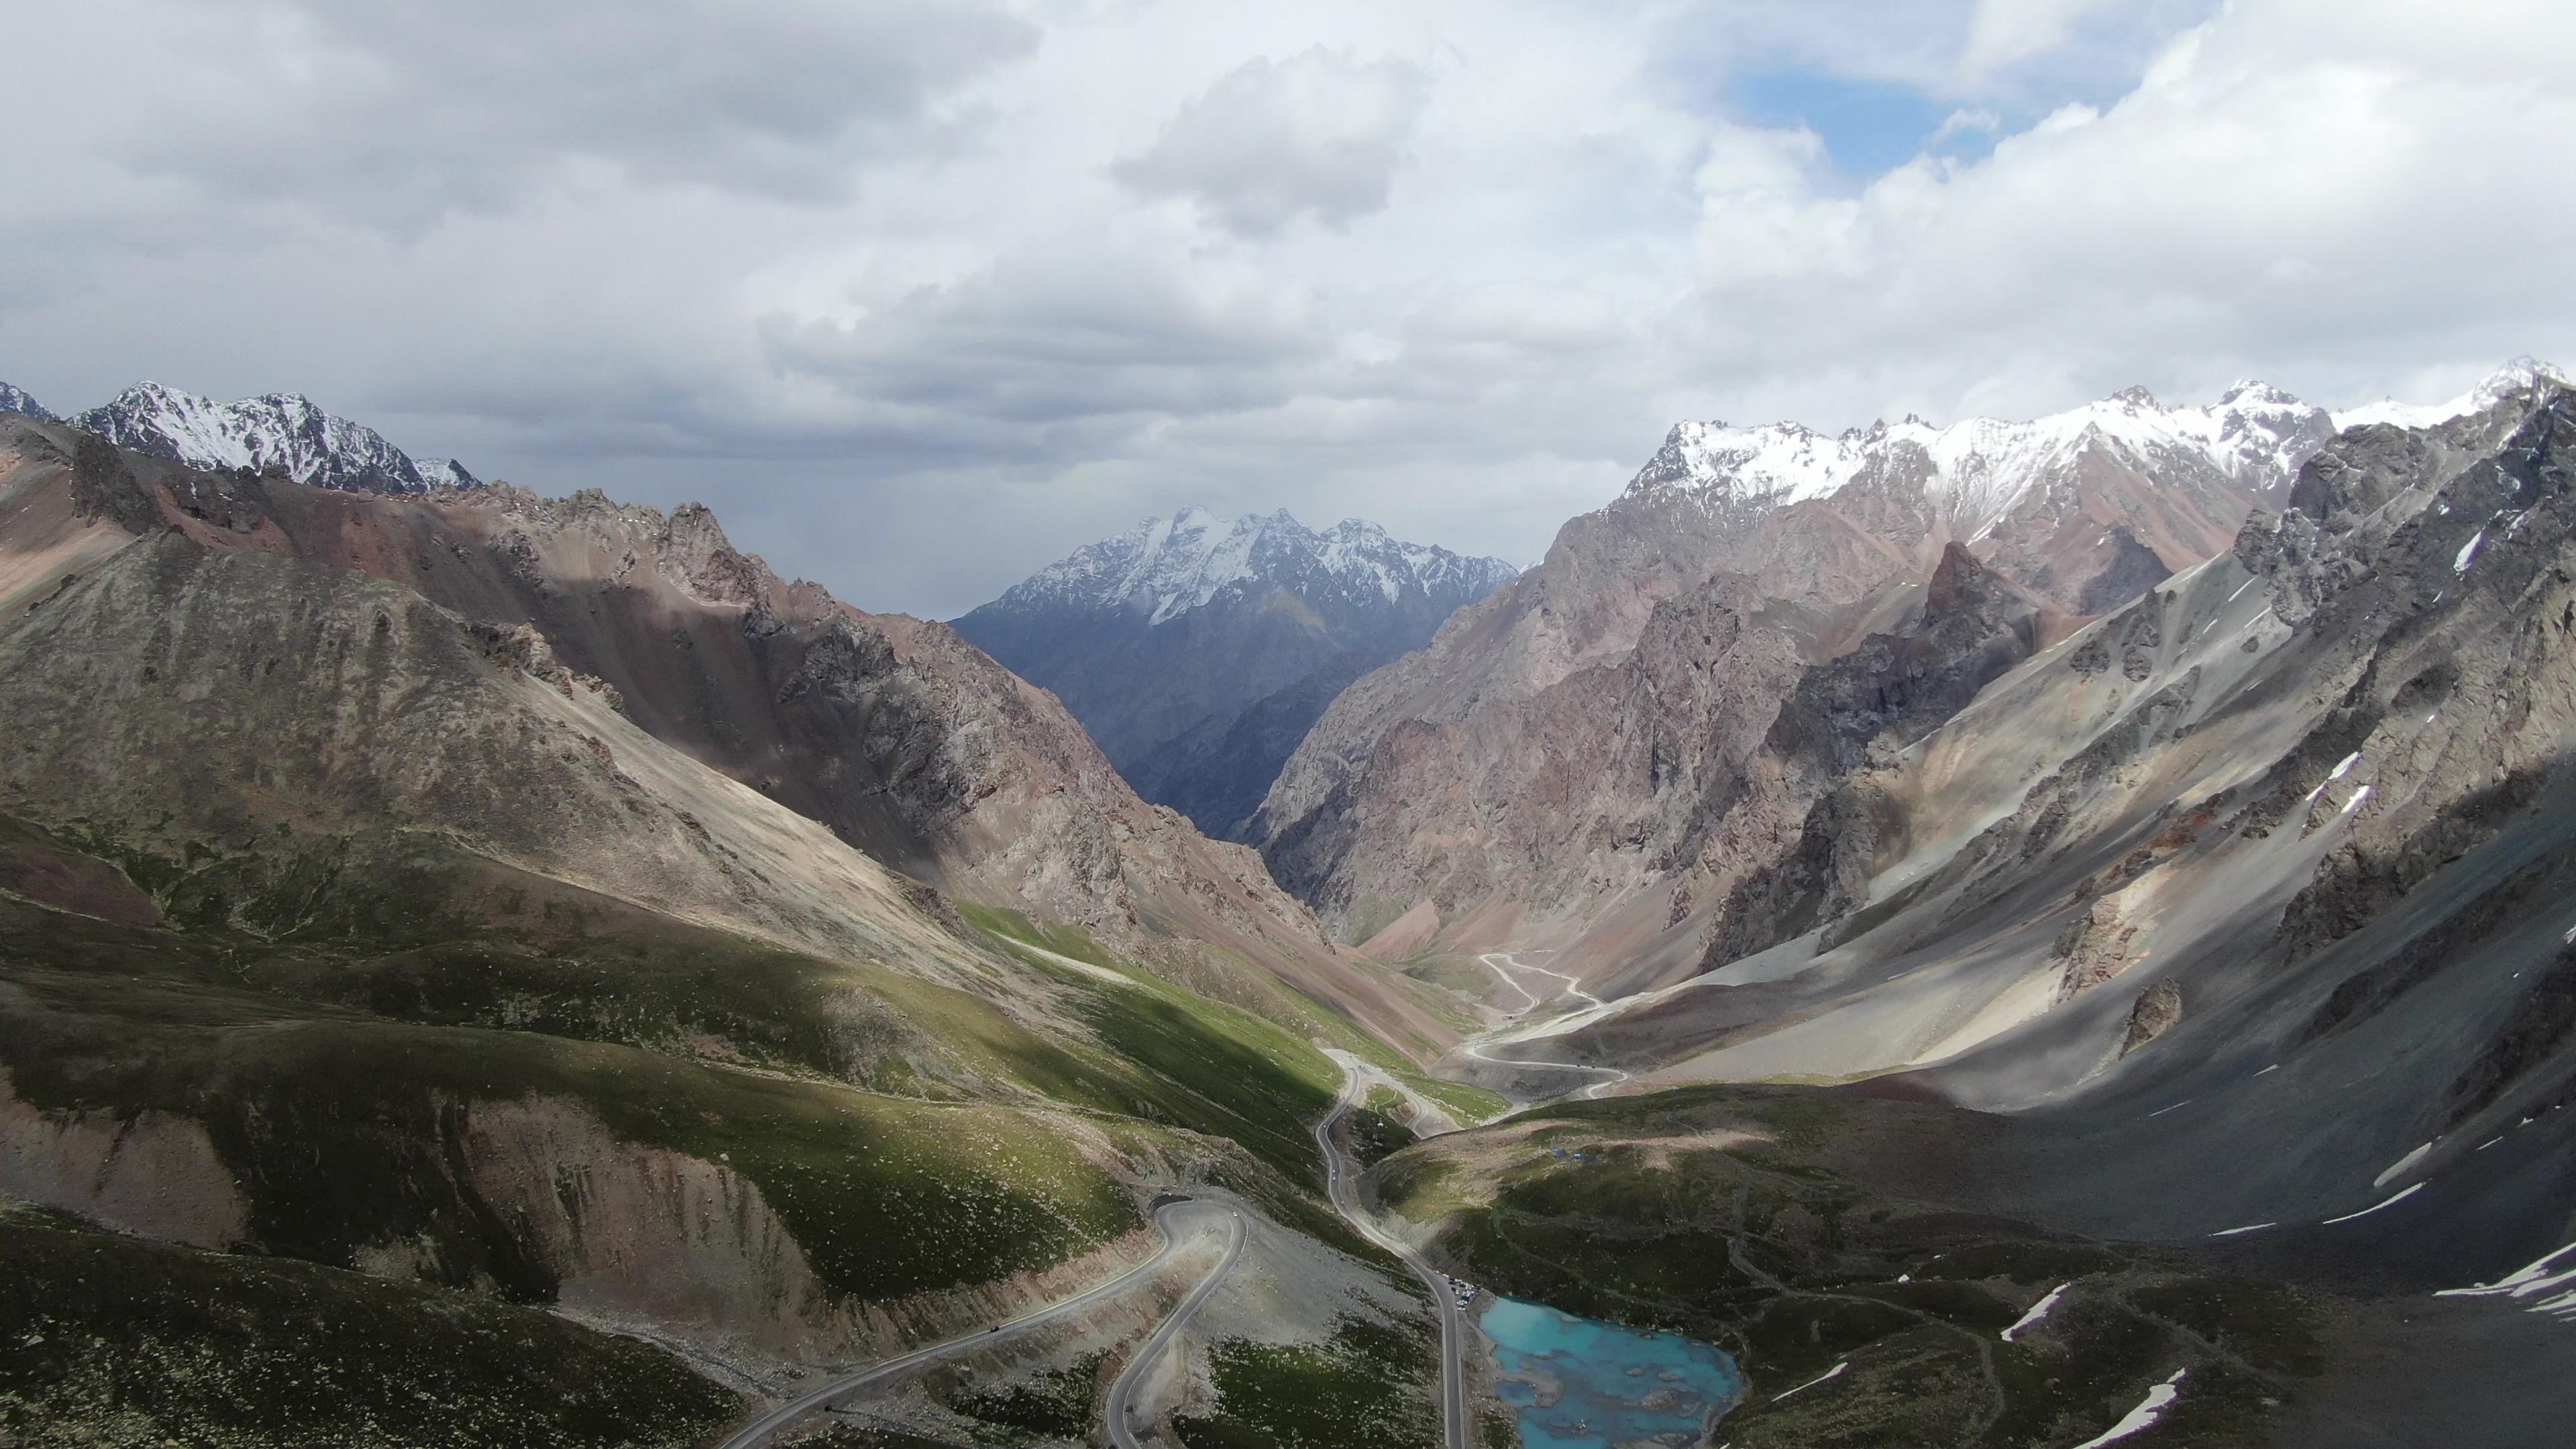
383, 904
1735, 558
1197, 650
2186, 1020
279, 432
892, 732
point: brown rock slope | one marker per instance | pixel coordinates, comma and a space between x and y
340, 926
1810, 545
2276, 798
1621, 811
901, 738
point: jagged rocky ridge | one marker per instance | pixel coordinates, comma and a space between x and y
1432, 780
2260, 794
1198, 650
279, 432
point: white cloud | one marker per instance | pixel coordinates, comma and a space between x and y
1320, 134
2006, 32
920, 299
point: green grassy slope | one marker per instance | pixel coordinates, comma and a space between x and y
1732, 1215
116, 1342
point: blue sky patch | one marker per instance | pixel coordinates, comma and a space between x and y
1867, 126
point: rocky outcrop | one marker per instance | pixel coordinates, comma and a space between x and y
153, 1173
2095, 947
2158, 1010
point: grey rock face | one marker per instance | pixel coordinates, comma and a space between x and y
1197, 651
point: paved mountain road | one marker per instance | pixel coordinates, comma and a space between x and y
1341, 1176
1170, 1219
1119, 1412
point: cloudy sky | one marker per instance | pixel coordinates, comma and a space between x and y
922, 296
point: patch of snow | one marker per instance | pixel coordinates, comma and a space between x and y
2357, 797
2539, 1276
2398, 1168
2037, 1311
2468, 552
2514, 376
2248, 1228
2345, 767
2144, 1416
1832, 1373
2160, 1111
2276, 1066
2374, 1207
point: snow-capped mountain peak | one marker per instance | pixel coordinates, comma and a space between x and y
281, 430
1977, 471
1163, 568
15, 400
2512, 377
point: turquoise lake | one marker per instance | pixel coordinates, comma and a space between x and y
1581, 1384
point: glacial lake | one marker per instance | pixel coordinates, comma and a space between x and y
1581, 1384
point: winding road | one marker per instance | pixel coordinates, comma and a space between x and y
1120, 1413
1167, 1220
1341, 1176
1610, 1076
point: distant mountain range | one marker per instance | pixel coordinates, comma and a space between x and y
1197, 649
281, 431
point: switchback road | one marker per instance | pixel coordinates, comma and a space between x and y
1176, 1221
1119, 1413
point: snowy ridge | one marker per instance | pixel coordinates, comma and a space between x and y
2513, 377
13, 400
1164, 568
283, 431
1977, 471
2255, 437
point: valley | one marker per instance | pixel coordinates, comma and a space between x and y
1829, 957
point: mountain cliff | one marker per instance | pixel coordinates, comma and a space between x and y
1197, 650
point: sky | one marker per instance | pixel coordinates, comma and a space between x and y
921, 297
